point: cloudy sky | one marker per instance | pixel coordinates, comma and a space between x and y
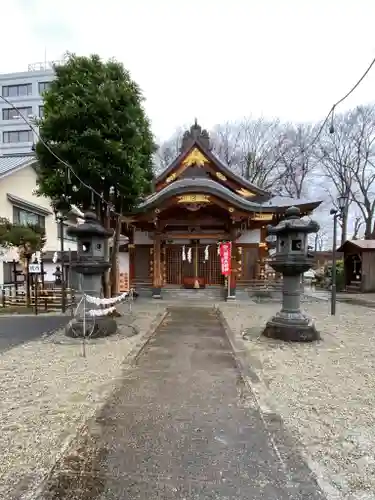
216, 60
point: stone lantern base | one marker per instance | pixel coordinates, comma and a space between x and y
291, 328
103, 327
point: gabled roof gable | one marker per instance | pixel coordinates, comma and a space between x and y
197, 154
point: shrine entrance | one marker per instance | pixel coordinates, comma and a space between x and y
186, 263
197, 202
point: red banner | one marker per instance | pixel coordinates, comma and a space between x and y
225, 258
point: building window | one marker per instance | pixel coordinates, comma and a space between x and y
25, 218
9, 276
43, 86
14, 114
24, 89
41, 111
16, 136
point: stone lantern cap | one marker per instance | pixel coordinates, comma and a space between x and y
89, 228
293, 224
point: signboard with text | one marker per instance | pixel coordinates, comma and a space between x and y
35, 268
225, 258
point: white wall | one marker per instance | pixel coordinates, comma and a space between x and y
142, 238
249, 236
49, 269
21, 184
124, 262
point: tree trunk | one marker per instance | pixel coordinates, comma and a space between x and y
373, 231
106, 275
114, 257
344, 226
368, 229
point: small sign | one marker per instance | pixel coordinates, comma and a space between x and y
35, 268
225, 257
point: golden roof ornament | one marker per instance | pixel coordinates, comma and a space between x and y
221, 176
195, 157
245, 193
171, 178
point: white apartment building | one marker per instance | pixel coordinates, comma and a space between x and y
25, 91
20, 205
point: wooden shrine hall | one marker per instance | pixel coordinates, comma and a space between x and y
198, 203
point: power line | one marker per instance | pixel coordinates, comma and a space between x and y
334, 106
69, 167
110, 205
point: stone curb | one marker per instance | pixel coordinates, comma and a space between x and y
349, 301
263, 398
243, 360
36, 491
133, 355
29, 315
58, 337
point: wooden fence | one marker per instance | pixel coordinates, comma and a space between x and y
47, 298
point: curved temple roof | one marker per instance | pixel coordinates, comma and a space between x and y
196, 137
210, 187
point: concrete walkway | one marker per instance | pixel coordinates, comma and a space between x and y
183, 425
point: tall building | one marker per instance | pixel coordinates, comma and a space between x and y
25, 91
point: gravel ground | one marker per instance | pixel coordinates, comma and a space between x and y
48, 390
325, 392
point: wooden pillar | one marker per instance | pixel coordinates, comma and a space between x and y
131, 248
231, 292
262, 253
164, 266
157, 268
239, 263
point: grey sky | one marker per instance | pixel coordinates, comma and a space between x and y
214, 59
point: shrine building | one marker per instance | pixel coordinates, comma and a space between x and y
197, 203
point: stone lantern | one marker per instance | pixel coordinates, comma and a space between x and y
91, 263
292, 259
57, 274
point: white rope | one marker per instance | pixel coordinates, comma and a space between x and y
101, 312
106, 302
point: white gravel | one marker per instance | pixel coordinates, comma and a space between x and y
47, 391
324, 391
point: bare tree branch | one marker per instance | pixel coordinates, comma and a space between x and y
296, 161
358, 223
346, 158
168, 151
248, 147
320, 240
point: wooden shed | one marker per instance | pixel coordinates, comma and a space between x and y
359, 265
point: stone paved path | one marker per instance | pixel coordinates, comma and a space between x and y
183, 425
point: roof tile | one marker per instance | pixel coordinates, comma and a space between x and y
11, 162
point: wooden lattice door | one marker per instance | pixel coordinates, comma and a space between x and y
210, 269
174, 265
250, 257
